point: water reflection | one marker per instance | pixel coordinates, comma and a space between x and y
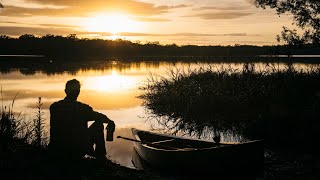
110, 83
121, 149
108, 86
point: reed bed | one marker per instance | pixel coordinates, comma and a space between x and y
269, 103
18, 132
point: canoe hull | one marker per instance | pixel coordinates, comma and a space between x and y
238, 158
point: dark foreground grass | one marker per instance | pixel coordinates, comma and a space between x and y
34, 163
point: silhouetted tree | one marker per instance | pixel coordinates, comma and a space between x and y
4, 37
306, 15
27, 36
72, 37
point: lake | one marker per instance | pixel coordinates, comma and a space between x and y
110, 87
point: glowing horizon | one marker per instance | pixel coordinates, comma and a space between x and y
111, 23
197, 22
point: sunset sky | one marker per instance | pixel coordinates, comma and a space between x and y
199, 22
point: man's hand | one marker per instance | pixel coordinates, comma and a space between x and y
111, 124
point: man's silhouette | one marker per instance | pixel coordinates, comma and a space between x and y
70, 136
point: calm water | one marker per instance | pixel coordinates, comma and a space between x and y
109, 87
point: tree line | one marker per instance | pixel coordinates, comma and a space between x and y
72, 46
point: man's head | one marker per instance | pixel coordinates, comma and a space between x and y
72, 88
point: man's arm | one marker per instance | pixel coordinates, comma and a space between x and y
99, 117
92, 115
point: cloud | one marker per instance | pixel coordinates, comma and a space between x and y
86, 8
179, 34
137, 34
44, 29
9, 22
14, 11
226, 11
61, 30
221, 15
42, 25
195, 34
57, 25
148, 19
227, 8
39, 31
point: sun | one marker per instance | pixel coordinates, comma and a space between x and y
112, 23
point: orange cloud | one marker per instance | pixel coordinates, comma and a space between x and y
148, 19
38, 31
221, 15
14, 11
85, 8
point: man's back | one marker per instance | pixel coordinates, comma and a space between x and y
68, 127
70, 136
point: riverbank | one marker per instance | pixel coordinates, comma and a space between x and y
28, 162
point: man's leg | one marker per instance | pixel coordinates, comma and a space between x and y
96, 136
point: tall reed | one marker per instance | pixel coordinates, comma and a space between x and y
38, 126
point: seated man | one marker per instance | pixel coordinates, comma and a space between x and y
70, 136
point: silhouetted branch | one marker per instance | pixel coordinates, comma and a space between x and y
306, 15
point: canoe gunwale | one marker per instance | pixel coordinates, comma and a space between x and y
221, 145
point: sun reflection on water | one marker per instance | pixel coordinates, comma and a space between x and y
111, 83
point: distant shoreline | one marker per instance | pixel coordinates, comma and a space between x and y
274, 56
47, 59
59, 47
21, 55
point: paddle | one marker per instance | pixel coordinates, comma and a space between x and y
153, 143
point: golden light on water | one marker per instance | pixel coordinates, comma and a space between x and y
112, 23
111, 83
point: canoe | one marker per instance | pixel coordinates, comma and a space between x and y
183, 155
